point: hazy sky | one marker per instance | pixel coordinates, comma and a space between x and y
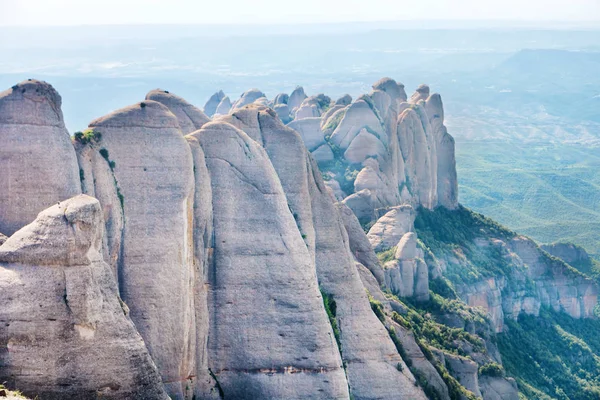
77, 12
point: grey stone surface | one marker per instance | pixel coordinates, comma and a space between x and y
153, 170
65, 330
38, 166
189, 117
264, 292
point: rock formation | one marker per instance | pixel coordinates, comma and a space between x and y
152, 165
37, 161
227, 258
213, 102
65, 333
189, 117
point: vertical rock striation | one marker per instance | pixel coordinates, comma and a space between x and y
37, 160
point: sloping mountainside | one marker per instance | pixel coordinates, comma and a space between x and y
294, 248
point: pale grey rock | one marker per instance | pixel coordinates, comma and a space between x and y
336, 190
394, 89
245, 119
248, 97
345, 100
261, 275
262, 101
359, 115
146, 146
213, 102
283, 112
37, 160
421, 169
310, 131
309, 108
61, 309
189, 117
465, 371
389, 229
98, 180
359, 243
361, 204
224, 106
325, 118
296, 98
422, 93
369, 353
323, 154
205, 385
364, 145
495, 388
419, 361
281, 98
408, 275
447, 182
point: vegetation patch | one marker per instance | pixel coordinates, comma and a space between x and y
87, 136
553, 354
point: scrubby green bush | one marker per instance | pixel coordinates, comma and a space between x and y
87, 136
492, 369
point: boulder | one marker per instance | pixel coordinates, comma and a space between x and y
359, 115
145, 149
390, 229
213, 102
224, 106
37, 160
248, 97
323, 154
365, 145
61, 309
283, 112
345, 100
296, 98
189, 117
281, 98
310, 131
394, 89
422, 93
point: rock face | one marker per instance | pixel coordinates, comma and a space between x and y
248, 97
407, 275
61, 309
189, 117
401, 150
569, 253
224, 107
296, 98
145, 149
310, 130
37, 160
389, 229
260, 256
213, 102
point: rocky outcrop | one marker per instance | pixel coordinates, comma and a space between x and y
260, 256
189, 117
407, 275
422, 93
248, 97
569, 253
389, 229
296, 98
37, 160
65, 333
310, 130
495, 388
145, 149
224, 107
213, 102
